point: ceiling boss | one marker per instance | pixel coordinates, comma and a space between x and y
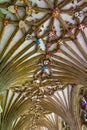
56, 13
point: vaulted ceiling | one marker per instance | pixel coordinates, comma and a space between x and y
43, 51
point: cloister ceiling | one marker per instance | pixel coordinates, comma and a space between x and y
43, 49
